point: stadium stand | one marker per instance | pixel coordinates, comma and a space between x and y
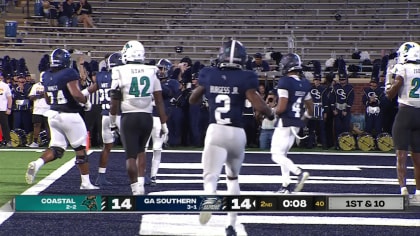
317, 30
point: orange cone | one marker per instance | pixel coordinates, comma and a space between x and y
88, 141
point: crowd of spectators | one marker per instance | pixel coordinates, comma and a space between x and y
68, 13
187, 123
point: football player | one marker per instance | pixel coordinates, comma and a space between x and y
226, 87
293, 90
169, 88
61, 86
103, 84
406, 128
134, 86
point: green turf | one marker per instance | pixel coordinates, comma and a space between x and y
13, 167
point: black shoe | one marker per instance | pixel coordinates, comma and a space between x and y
147, 180
230, 231
153, 181
101, 181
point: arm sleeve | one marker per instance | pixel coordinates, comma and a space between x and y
116, 82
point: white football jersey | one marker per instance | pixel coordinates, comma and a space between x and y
409, 93
137, 82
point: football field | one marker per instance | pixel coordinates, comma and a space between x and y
332, 174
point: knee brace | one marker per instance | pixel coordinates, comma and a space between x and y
82, 159
58, 152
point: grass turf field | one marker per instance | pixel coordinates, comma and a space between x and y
13, 167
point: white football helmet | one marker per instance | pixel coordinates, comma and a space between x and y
133, 51
408, 51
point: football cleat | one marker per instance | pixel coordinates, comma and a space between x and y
139, 192
415, 200
284, 190
147, 180
31, 173
404, 191
204, 217
230, 231
88, 186
33, 145
301, 181
101, 180
153, 181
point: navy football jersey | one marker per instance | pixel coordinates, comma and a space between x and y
103, 81
225, 91
55, 86
298, 91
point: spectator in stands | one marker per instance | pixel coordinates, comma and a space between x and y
84, 14
67, 14
258, 64
50, 9
5, 110
40, 108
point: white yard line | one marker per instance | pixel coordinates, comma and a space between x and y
6, 210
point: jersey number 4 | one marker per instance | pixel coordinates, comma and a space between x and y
144, 83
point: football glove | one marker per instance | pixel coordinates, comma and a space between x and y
115, 131
86, 106
164, 132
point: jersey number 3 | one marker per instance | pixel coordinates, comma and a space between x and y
144, 82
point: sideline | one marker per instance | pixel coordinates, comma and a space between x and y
6, 211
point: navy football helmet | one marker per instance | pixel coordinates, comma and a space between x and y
114, 60
232, 54
165, 67
290, 62
60, 58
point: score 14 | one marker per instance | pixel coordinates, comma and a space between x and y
243, 203
121, 203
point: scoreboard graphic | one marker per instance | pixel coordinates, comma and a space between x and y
212, 203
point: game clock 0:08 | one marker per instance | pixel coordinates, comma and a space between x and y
296, 203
